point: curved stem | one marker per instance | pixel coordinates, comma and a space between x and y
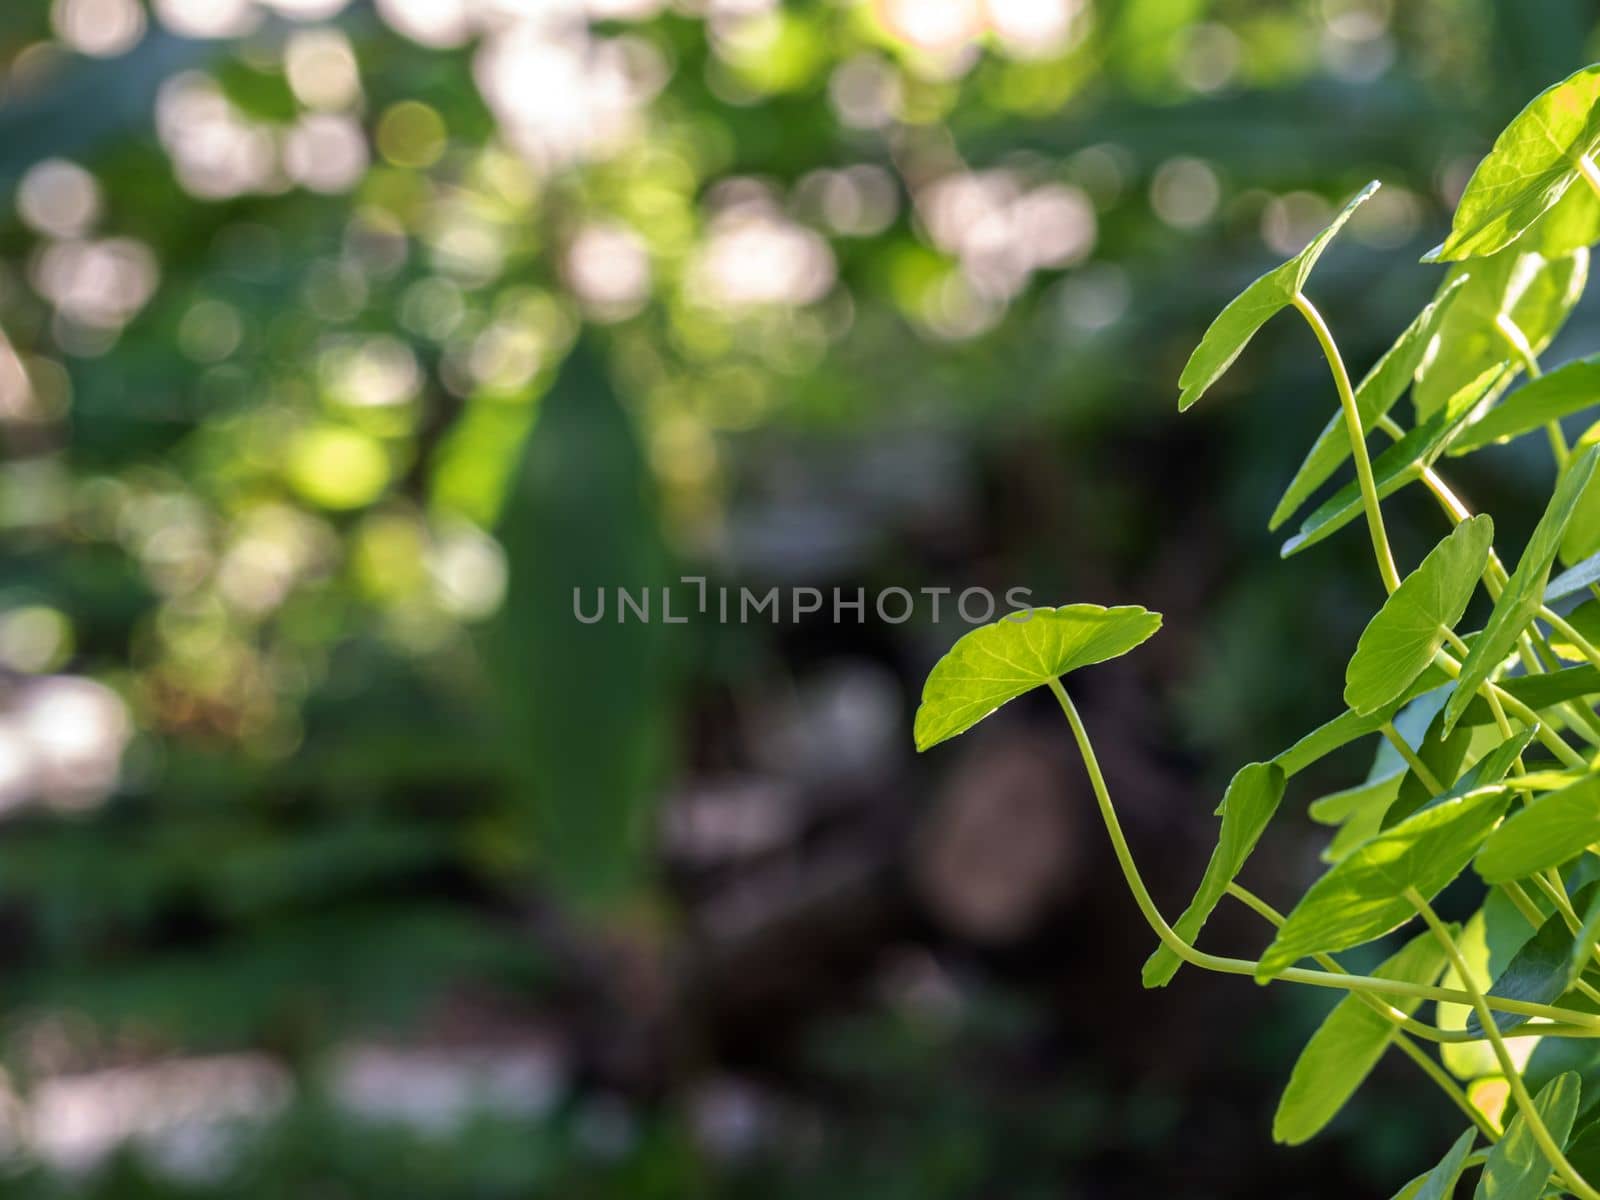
1358, 441
1518, 342
1419, 768
1243, 966
1519, 1090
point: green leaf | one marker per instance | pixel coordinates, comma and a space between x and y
1568, 389
1517, 1169
1442, 755
586, 755
1546, 832
1530, 167
1440, 1183
1519, 601
1362, 897
1542, 971
1000, 661
1376, 394
1348, 1044
1401, 640
1236, 324
1586, 901
1574, 580
1252, 797
1538, 692
1526, 290
1348, 726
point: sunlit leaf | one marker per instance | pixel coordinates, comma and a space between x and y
1531, 292
1236, 324
1376, 394
1002, 660
1401, 464
1530, 167
1545, 833
1519, 601
1402, 638
1348, 1044
1251, 799
1566, 390
1440, 1183
1516, 1168
1363, 896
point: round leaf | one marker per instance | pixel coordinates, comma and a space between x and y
1000, 661
1401, 640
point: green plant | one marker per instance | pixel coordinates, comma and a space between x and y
1490, 744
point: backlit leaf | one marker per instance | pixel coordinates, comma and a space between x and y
1000, 661
1566, 390
1362, 897
1545, 833
1252, 797
1519, 602
1401, 640
1530, 167
1516, 1168
1236, 324
1348, 1044
1399, 465
1530, 291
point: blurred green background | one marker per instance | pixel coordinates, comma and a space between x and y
342, 340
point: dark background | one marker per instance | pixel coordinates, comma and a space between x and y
339, 860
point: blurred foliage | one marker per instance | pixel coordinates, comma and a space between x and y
289, 504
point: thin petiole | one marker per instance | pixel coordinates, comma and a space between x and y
1358, 441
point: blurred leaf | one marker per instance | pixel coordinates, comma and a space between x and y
584, 704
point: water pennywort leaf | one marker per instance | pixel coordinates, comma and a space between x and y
1545, 833
1252, 797
1021, 651
1517, 1169
1568, 389
1247, 312
1348, 1044
1530, 167
1363, 896
1440, 1183
1401, 640
1519, 602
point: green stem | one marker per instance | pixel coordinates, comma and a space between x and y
1358, 441
1244, 966
1518, 342
1418, 767
1519, 1090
